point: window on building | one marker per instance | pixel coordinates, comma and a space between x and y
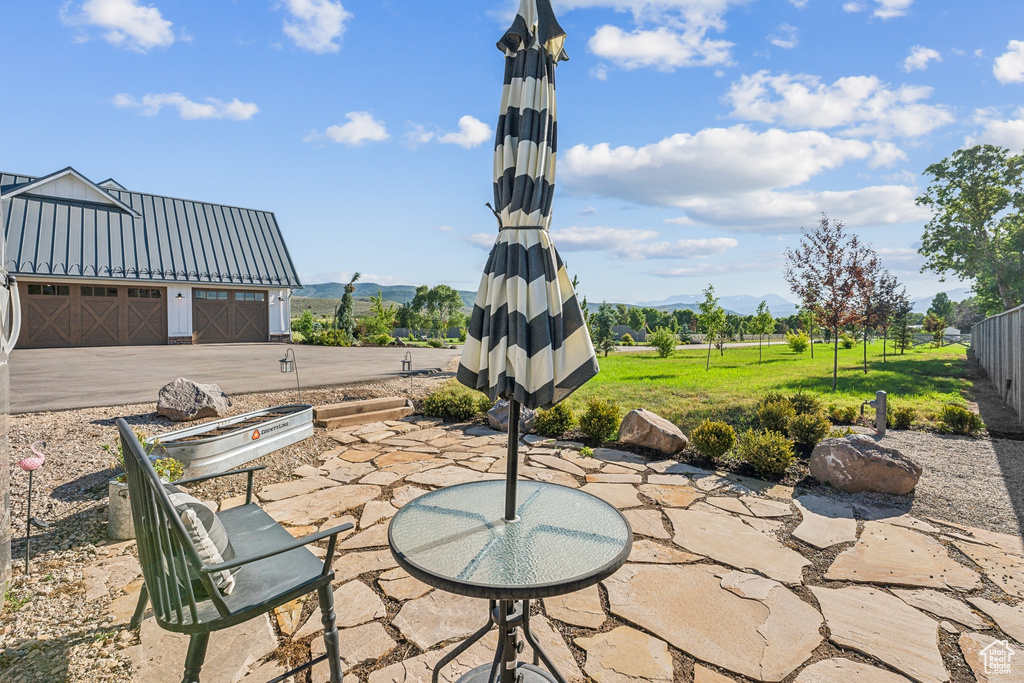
49, 290
211, 295
249, 296
144, 294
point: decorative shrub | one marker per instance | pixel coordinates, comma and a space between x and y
958, 420
626, 339
775, 416
455, 402
903, 417
713, 439
808, 429
804, 403
330, 338
555, 421
664, 341
379, 340
768, 452
841, 415
798, 342
770, 397
462, 334
847, 341
840, 433
435, 343
601, 419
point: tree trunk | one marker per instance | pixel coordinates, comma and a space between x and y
811, 335
885, 342
865, 349
760, 339
835, 359
707, 365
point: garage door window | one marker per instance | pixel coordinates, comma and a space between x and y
100, 291
249, 296
49, 290
143, 293
210, 295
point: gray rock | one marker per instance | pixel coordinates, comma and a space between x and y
644, 428
497, 417
858, 463
184, 400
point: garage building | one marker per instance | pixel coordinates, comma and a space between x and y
99, 265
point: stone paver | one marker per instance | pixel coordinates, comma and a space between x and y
582, 608
669, 479
376, 511
554, 462
902, 557
764, 638
446, 476
404, 494
1005, 542
671, 496
1003, 569
351, 565
656, 553
621, 496
367, 642
841, 670
398, 585
879, 625
374, 537
316, 507
354, 603
647, 523
762, 507
941, 605
826, 522
603, 478
347, 472
972, 646
437, 617
108, 575
728, 540
625, 655
1010, 618
702, 674
732, 505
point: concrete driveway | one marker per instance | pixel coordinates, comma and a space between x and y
63, 379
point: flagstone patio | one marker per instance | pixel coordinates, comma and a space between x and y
730, 579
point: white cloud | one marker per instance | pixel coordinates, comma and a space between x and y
316, 25
661, 48
860, 105
888, 9
1009, 66
998, 131
853, 7
419, 135
472, 133
484, 240
126, 23
799, 4
626, 243
209, 108
784, 37
706, 269
919, 58
445, 228
361, 127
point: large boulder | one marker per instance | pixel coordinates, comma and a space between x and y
644, 428
859, 463
497, 417
184, 400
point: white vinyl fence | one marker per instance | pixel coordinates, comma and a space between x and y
998, 344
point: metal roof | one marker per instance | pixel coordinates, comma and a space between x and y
165, 239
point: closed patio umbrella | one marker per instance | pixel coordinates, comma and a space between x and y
527, 339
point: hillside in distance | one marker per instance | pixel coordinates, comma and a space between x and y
400, 294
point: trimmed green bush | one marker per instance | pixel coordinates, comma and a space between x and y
382, 339
455, 402
770, 397
330, 338
798, 342
775, 416
847, 341
957, 420
805, 404
626, 339
808, 429
841, 415
903, 417
555, 421
768, 452
435, 343
713, 439
664, 341
601, 419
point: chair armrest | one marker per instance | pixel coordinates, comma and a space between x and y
246, 470
297, 543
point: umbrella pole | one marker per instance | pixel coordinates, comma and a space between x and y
512, 467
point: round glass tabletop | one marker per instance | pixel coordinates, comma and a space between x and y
456, 539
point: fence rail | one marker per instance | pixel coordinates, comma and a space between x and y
998, 344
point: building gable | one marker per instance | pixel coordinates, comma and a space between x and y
71, 185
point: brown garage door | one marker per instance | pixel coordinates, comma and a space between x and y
223, 315
58, 315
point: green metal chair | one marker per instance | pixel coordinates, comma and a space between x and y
273, 568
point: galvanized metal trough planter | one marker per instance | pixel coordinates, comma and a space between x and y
223, 444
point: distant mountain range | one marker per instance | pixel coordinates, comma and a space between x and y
922, 304
400, 294
740, 305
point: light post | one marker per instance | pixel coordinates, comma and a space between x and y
291, 365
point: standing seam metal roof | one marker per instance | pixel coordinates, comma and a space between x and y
172, 240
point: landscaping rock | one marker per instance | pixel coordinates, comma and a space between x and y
859, 463
626, 655
582, 608
879, 625
497, 417
826, 522
184, 400
644, 428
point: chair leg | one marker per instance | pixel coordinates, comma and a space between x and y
328, 619
140, 608
196, 656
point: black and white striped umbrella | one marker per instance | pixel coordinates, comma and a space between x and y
527, 340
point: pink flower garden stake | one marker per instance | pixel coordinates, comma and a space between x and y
30, 465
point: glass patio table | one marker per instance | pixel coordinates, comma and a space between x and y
457, 540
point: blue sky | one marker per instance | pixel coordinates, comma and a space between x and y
697, 137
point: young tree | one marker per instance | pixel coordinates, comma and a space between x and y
436, 308
383, 316
869, 301
966, 314
902, 314
828, 273
712, 320
935, 326
890, 299
686, 319
636, 320
977, 229
601, 327
761, 324
806, 319
664, 341
941, 306
345, 317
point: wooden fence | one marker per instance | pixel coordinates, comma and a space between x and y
998, 344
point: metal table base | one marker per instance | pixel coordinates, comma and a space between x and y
508, 616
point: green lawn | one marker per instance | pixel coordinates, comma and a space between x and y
679, 389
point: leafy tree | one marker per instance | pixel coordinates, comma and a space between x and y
903, 315
829, 272
890, 301
941, 306
763, 323
636, 320
935, 326
807, 324
344, 317
966, 314
382, 316
712, 320
622, 315
664, 340
601, 324
977, 230
436, 308
686, 319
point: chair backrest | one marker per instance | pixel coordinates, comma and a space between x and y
165, 551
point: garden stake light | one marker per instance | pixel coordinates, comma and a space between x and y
291, 365
30, 465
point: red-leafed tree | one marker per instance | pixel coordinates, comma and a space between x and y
831, 272
889, 299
